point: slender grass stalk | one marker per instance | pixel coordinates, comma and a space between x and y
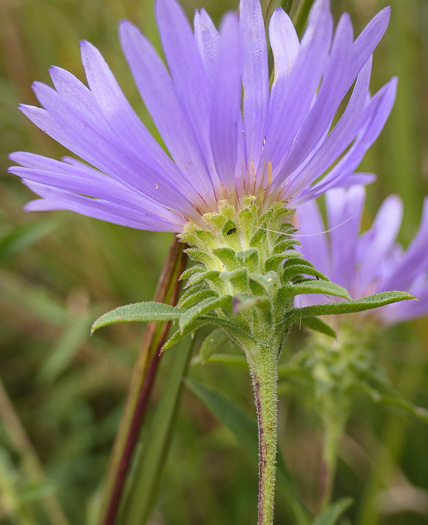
143, 488
140, 388
333, 433
302, 15
30, 460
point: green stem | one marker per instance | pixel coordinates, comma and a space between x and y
263, 366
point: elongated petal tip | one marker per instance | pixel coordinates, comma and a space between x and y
126, 29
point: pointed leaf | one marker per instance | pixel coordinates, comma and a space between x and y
346, 307
138, 312
333, 512
315, 287
315, 323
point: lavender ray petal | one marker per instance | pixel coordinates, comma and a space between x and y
344, 211
367, 41
101, 148
119, 114
187, 71
371, 122
255, 77
329, 97
414, 261
74, 181
377, 242
334, 143
292, 99
314, 242
54, 199
226, 104
285, 44
77, 94
158, 92
356, 179
71, 170
207, 39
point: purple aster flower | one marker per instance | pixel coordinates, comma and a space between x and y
369, 262
278, 146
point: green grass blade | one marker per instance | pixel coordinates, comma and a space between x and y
149, 464
333, 512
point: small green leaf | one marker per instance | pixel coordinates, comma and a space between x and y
333, 512
267, 281
347, 307
198, 255
198, 268
204, 307
392, 399
228, 257
250, 258
33, 491
138, 312
209, 275
195, 298
230, 327
315, 287
315, 323
181, 334
301, 269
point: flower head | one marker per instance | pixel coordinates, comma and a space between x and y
277, 147
369, 262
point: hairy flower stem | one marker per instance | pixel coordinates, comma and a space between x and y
263, 366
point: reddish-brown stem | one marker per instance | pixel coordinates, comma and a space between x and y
141, 386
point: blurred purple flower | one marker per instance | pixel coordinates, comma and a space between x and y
370, 262
279, 144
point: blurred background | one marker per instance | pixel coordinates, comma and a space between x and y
59, 271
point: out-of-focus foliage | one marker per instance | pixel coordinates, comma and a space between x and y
59, 271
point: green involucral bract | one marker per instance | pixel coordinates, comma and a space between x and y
240, 255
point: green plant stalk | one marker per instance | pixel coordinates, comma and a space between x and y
264, 374
154, 337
